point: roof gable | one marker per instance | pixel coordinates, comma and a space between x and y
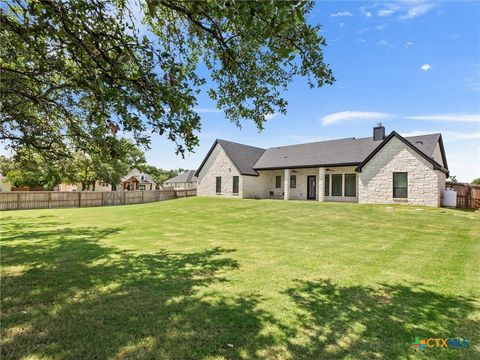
341, 152
242, 156
135, 173
413, 143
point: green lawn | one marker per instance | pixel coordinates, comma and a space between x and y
206, 278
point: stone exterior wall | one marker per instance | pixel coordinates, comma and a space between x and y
376, 178
260, 186
255, 187
374, 183
218, 164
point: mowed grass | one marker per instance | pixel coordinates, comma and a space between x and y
211, 278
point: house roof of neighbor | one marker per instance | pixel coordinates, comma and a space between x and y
138, 175
186, 177
341, 152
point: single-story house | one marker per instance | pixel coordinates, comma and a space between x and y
187, 180
376, 170
136, 180
99, 186
4, 184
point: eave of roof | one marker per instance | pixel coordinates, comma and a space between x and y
307, 166
436, 165
240, 163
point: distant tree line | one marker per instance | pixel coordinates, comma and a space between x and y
31, 168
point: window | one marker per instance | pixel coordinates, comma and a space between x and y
337, 184
350, 185
293, 181
400, 184
327, 184
235, 184
218, 185
278, 182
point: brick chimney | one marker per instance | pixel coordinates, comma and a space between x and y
378, 132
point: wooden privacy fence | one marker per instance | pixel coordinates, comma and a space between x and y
468, 195
185, 193
20, 200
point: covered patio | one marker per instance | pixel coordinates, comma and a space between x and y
319, 183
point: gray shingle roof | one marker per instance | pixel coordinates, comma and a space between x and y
186, 177
243, 156
137, 174
349, 151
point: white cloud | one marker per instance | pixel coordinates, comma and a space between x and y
385, 12
406, 9
337, 117
447, 117
207, 111
365, 12
426, 67
361, 40
383, 43
380, 27
408, 44
341, 24
341, 13
417, 10
270, 116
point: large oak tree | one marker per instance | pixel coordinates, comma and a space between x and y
76, 72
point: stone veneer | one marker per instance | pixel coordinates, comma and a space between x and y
218, 164
374, 183
376, 179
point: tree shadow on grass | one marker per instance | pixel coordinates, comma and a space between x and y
66, 295
367, 323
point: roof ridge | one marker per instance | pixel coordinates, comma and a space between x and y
237, 143
316, 142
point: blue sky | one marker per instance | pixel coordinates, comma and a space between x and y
412, 65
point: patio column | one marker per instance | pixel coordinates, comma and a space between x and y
321, 184
286, 185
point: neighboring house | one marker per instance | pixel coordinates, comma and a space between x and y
187, 180
377, 169
137, 180
4, 184
99, 186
